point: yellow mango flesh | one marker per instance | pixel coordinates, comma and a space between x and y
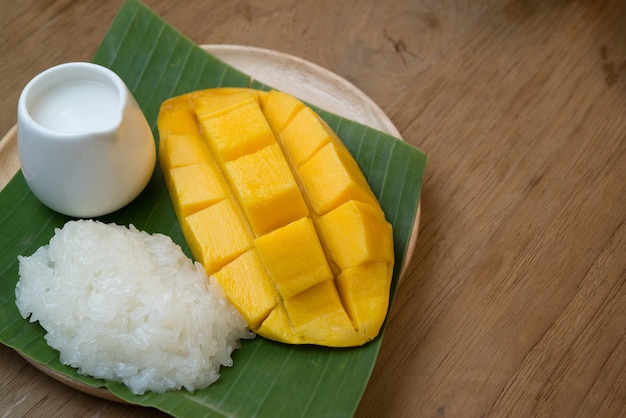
363, 293
294, 258
216, 234
185, 145
266, 188
274, 206
197, 187
318, 314
247, 284
305, 134
365, 224
331, 177
280, 108
236, 131
277, 326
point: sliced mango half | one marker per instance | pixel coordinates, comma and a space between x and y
275, 207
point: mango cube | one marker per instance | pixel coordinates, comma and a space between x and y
211, 101
177, 116
217, 234
266, 189
366, 225
277, 326
304, 135
180, 150
319, 316
248, 286
331, 177
181, 141
197, 186
280, 108
236, 131
293, 257
364, 292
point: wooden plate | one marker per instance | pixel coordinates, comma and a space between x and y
295, 76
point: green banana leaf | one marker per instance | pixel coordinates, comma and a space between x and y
268, 378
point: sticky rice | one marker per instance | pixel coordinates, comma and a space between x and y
124, 305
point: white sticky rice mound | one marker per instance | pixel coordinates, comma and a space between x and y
125, 305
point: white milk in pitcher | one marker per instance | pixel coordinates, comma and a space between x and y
78, 107
85, 146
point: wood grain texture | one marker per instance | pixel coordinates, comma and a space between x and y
515, 302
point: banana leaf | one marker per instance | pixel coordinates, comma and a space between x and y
268, 379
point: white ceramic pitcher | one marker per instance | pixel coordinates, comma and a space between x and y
84, 144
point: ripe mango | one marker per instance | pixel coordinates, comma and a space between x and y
277, 210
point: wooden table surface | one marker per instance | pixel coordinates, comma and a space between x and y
515, 301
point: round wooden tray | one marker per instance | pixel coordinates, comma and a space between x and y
293, 75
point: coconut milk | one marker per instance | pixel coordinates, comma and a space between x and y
77, 107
